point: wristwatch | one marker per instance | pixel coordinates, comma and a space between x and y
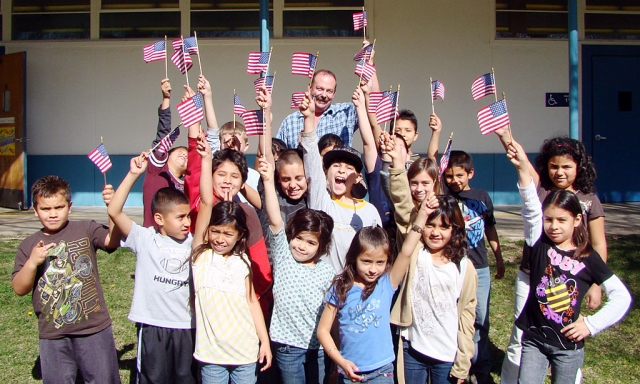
417, 228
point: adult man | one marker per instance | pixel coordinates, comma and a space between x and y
340, 118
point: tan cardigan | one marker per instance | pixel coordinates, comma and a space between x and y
401, 314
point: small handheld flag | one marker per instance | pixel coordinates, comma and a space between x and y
253, 123
365, 70
437, 88
263, 81
100, 158
303, 64
296, 99
493, 117
154, 52
238, 108
182, 60
190, 45
364, 53
190, 110
374, 100
167, 142
444, 160
258, 62
359, 20
483, 86
387, 108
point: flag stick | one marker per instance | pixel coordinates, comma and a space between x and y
166, 61
495, 84
184, 61
234, 108
261, 138
504, 97
315, 65
433, 111
395, 113
364, 25
195, 35
273, 83
385, 123
158, 143
104, 174
268, 62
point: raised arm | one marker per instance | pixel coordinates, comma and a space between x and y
270, 198
368, 140
206, 191
112, 240
411, 241
158, 157
506, 138
264, 101
137, 166
436, 129
531, 208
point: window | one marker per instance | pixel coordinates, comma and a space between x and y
524, 19
320, 18
229, 18
612, 19
139, 19
46, 20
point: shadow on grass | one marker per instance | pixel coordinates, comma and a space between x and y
128, 364
497, 356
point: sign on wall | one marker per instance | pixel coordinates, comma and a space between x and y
556, 99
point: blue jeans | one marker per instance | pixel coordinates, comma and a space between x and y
382, 375
536, 357
481, 362
418, 367
298, 365
223, 374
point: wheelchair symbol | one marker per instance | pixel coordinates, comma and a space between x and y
551, 101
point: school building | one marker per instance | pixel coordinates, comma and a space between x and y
73, 73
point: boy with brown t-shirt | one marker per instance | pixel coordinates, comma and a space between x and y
58, 264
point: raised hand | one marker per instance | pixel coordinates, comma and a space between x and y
266, 170
138, 164
202, 147
263, 99
358, 98
107, 193
165, 87
434, 123
307, 105
203, 86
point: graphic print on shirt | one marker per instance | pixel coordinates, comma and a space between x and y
173, 262
474, 212
430, 303
363, 316
556, 292
67, 288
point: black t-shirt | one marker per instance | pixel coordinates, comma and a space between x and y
558, 285
67, 295
477, 211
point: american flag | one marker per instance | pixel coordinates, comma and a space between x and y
182, 60
167, 142
493, 117
100, 158
190, 110
253, 123
483, 86
367, 70
374, 100
364, 53
190, 44
444, 160
154, 52
296, 99
437, 88
359, 20
303, 63
238, 108
258, 62
263, 81
387, 108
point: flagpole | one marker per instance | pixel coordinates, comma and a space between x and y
504, 97
494, 84
234, 108
395, 113
195, 35
268, 62
433, 111
385, 123
184, 61
104, 174
166, 60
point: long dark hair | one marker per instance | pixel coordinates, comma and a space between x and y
225, 213
312, 221
449, 212
568, 201
365, 239
564, 146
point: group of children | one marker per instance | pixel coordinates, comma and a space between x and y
305, 270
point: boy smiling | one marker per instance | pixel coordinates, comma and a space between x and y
343, 167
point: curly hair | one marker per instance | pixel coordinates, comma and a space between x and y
312, 221
564, 146
366, 239
449, 213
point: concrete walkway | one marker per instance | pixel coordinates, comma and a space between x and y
621, 219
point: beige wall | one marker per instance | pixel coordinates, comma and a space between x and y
79, 91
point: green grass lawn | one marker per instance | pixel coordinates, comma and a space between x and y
611, 357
